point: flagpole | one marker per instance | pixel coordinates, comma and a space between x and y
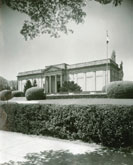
107, 42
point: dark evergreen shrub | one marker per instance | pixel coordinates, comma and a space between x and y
5, 95
35, 93
120, 89
34, 83
110, 125
27, 85
70, 86
17, 94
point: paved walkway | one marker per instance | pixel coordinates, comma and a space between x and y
14, 146
76, 101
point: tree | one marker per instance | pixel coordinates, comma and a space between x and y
27, 85
13, 85
50, 16
3, 84
34, 83
113, 56
70, 86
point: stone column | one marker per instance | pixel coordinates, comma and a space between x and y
85, 81
61, 80
95, 80
21, 85
55, 83
46, 84
49, 84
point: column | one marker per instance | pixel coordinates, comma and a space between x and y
21, 84
85, 82
41, 82
95, 80
61, 80
46, 85
55, 83
49, 84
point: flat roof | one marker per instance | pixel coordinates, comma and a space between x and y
39, 71
72, 66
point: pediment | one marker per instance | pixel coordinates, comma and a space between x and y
52, 69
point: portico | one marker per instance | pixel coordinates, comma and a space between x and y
53, 83
54, 77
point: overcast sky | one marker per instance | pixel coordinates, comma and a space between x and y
87, 43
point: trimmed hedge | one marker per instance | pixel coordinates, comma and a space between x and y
120, 89
35, 93
17, 94
110, 125
5, 95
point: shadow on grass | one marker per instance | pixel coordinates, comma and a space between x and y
102, 157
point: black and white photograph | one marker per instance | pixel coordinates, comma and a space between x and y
66, 82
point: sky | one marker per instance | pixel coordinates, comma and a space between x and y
87, 43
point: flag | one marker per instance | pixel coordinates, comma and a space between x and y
107, 38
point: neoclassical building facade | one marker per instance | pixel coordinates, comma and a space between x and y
90, 76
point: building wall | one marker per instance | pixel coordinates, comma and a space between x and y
90, 78
22, 81
90, 81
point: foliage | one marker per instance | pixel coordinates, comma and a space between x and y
100, 157
50, 16
70, 86
34, 83
5, 95
120, 89
13, 85
27, 85
110, 125
17, 94
3, 84
35, 93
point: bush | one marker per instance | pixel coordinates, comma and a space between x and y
35, 93
5, 95
17, 94
70, 86
27, 85
120, 89
110, 125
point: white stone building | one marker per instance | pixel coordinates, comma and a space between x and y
91, 76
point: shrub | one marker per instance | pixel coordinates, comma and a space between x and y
27, 85
35, 93
110, 125
70, 86
120, 89
5, 95
17, 94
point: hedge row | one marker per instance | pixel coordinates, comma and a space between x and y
110, 125
17, 94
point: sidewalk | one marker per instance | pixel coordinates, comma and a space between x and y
14, 146
82, 101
